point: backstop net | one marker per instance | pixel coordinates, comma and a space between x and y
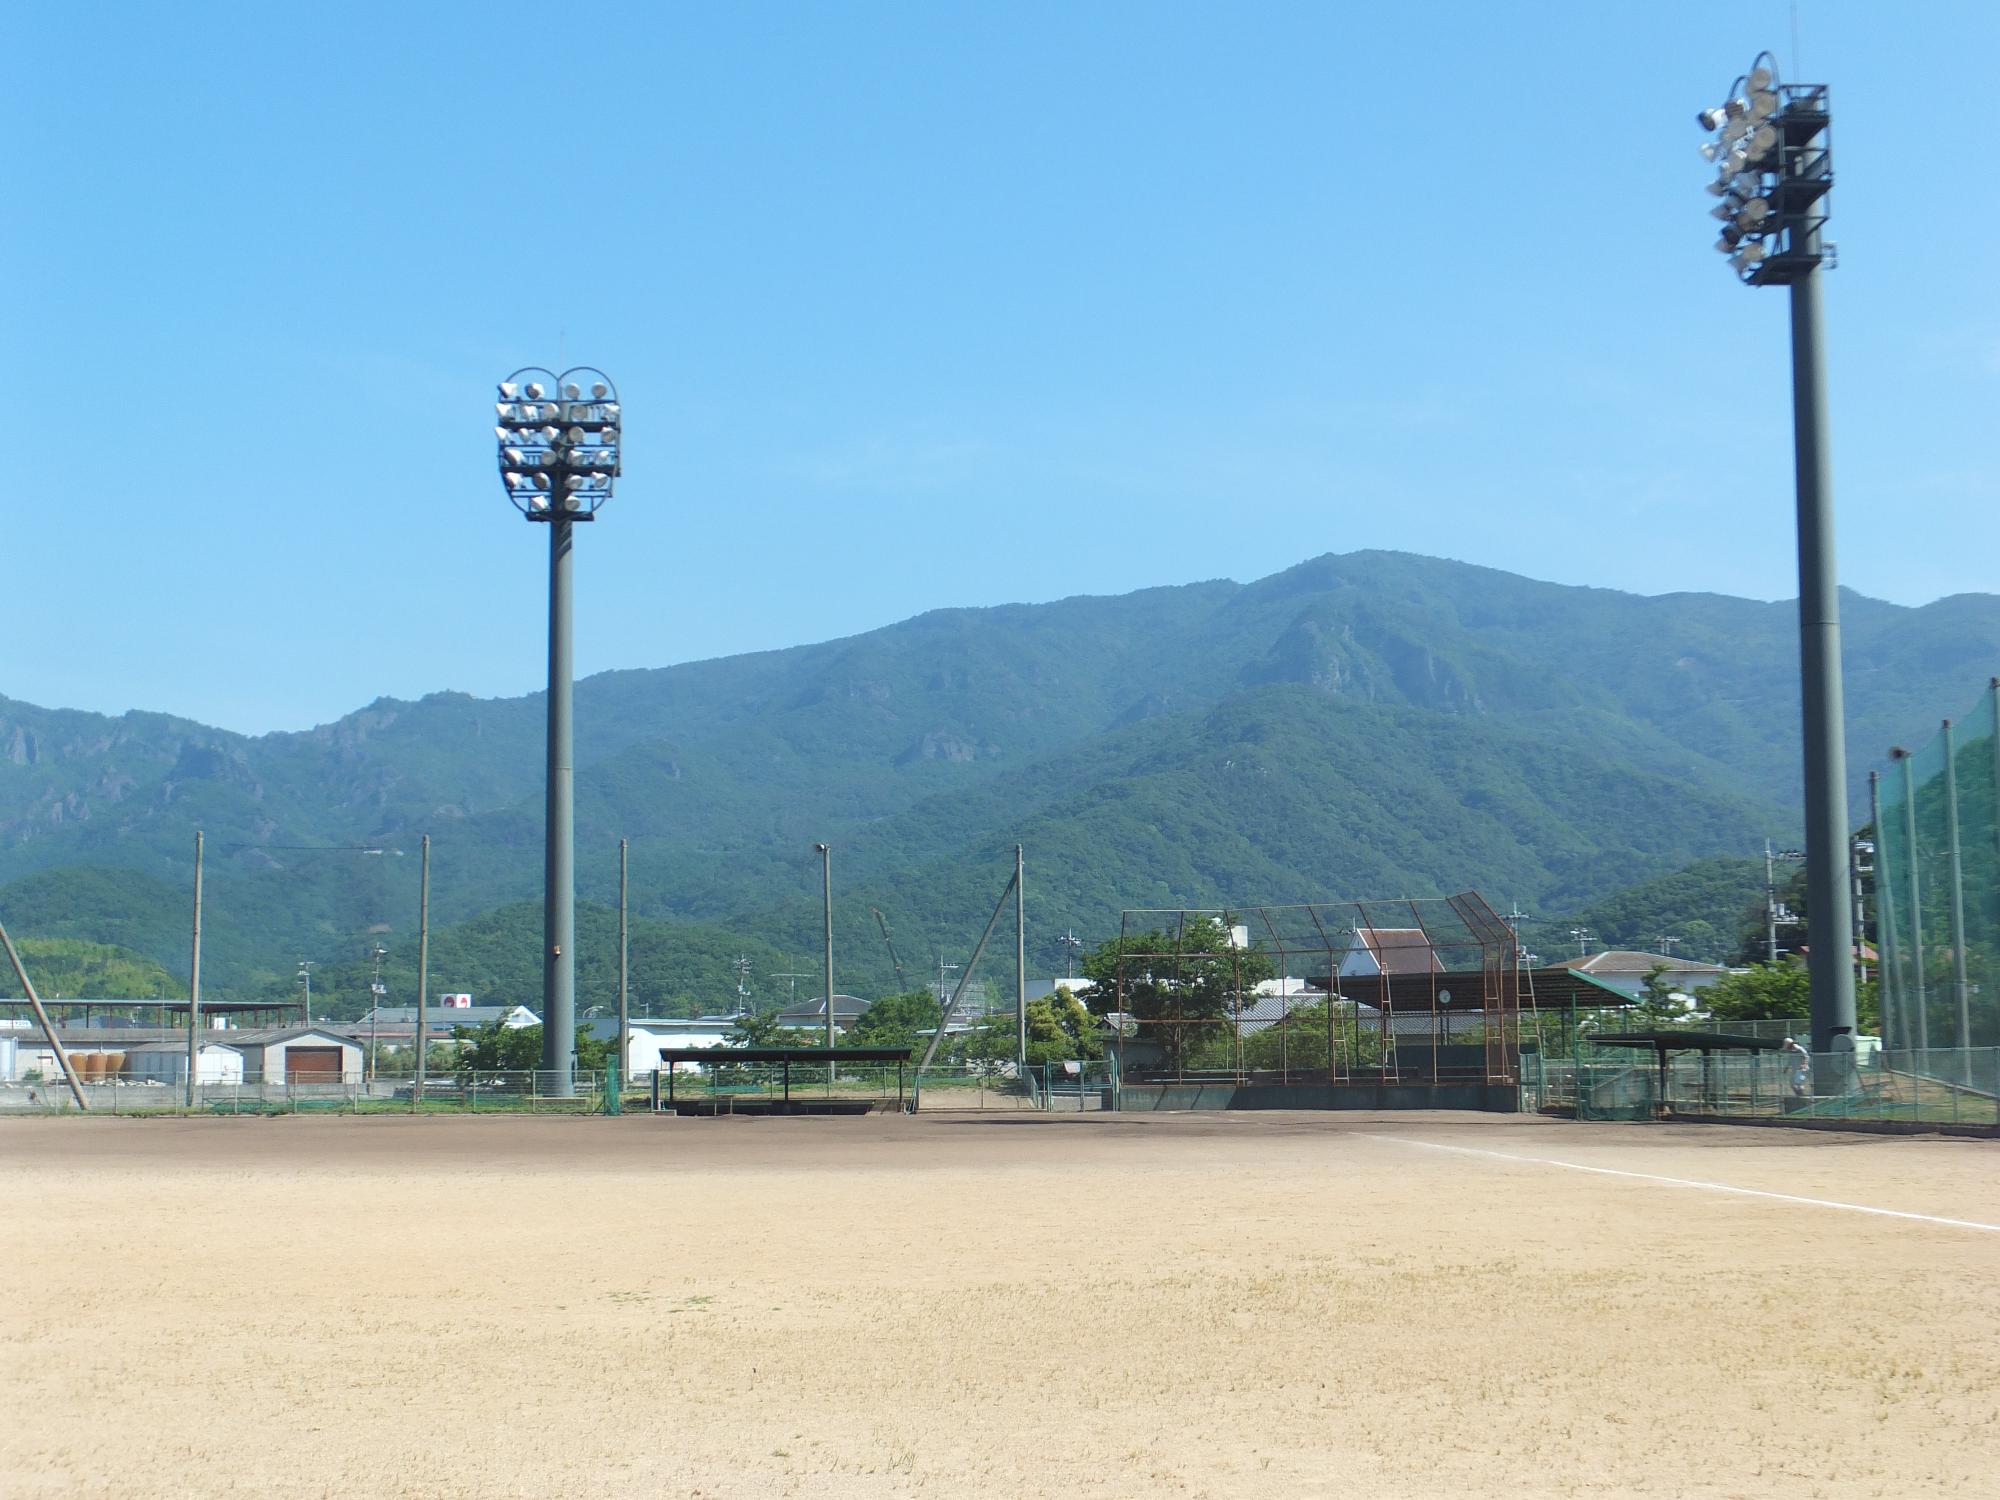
1410, 990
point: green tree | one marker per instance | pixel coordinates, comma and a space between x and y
1174, 982
1781, 992
1060, 1029
904, 1020
519, 1049
1659, 1004
1762, 992
1301, 1043
766, 1030
77, 969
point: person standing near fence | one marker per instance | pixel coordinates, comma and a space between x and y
1801, 1064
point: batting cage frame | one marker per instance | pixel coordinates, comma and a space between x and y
1413, 990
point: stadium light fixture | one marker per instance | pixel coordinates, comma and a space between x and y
1772, 149
580, 439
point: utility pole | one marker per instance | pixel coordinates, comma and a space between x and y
423, 962
1862, 866
1514, 918
194, 979
1020, 969
792, 978
1069, 943
624, 1063
1770, 907
306, 973
826, 892
376, 990
1581, 935
1665, 946
1776, 913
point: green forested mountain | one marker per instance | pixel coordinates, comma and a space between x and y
1699, 912
1366, 724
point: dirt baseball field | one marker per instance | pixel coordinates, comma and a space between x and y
1416, 1306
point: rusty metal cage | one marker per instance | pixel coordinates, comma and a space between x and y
1415, 990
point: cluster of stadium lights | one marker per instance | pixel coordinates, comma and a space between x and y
559, 442
1748, 161
1772, 171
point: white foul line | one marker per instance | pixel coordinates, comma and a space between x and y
1692, 1182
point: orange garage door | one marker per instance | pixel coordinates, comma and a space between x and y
312, 1064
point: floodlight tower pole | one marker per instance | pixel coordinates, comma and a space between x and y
1830, 956
559, 847
1774, 172
560, 451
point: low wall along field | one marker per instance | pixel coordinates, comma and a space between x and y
1241, 1304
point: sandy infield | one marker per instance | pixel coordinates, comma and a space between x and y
970, 1306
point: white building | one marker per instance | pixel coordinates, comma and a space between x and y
1390, 950
298, 1054
1625, 970
653, 1034
166, 1062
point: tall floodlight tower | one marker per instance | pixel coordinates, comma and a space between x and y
1772, 152
559, 455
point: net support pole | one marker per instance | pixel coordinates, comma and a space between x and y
48, 1027
964, 978
1961, 990
1921, 1007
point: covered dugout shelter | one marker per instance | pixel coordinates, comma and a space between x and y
761, 1080
1624, 1093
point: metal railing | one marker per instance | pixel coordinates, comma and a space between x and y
1072, 1087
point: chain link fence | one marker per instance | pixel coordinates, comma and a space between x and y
1882, 1085
524, 1092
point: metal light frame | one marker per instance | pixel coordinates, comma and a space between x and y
1773, 153
561, 442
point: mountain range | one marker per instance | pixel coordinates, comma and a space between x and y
1362, 725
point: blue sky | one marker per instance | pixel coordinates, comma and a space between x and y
927, 305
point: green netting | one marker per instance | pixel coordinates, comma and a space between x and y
1616, 1091
1937, 889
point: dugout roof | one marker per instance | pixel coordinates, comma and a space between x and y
725, 1056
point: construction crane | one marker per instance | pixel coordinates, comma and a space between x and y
883, 923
